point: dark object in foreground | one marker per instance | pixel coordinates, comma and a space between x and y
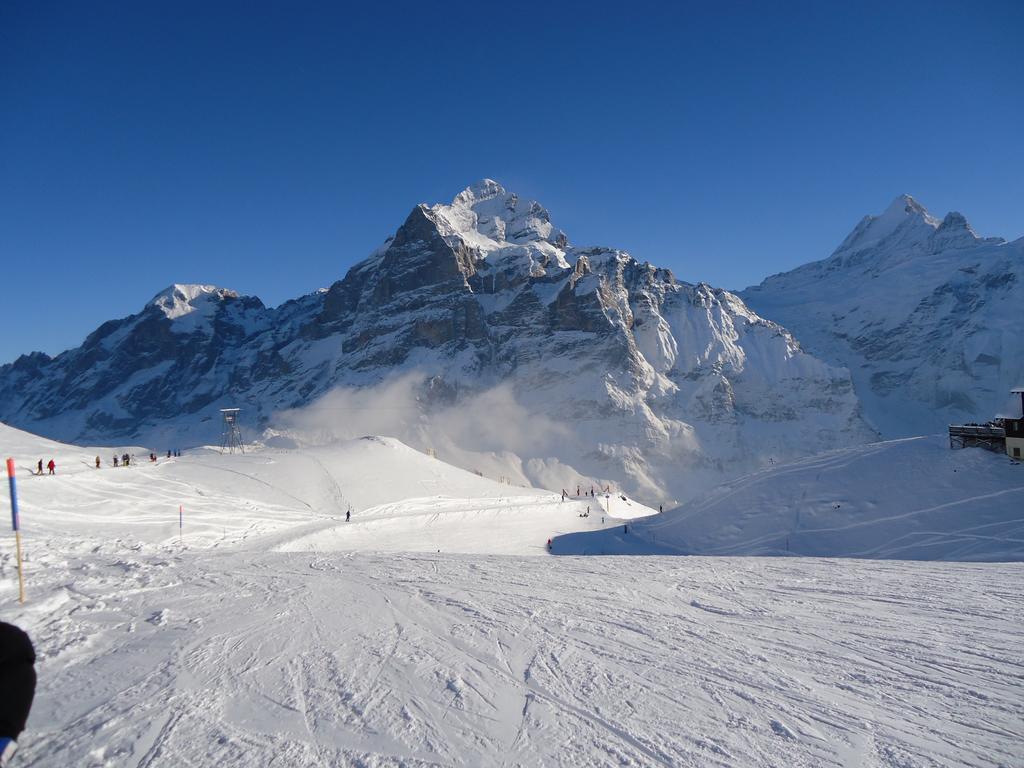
18, 683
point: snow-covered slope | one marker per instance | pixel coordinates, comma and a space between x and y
236, 646
923, 312
399, 498
905, 499
660, 386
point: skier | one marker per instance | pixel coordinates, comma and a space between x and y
168, 454
549, 545
115, 461
52, 467
348, 515
97, 462
660, 510
588, 511
625, 529
18, 682
40, 466
577, 491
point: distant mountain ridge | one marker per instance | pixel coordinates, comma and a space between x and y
924, 313
661, 386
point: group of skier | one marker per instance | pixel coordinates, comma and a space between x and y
592, 493
124, 460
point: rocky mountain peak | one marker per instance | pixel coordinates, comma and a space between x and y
953, 232
657, 385
955, 220
916, 309
487, 217
485, 189
906, 205
181, 299
904, 222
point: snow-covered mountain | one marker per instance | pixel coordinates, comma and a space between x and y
656, 384
924, 313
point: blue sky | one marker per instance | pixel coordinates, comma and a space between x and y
267, 147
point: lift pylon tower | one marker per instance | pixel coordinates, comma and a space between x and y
232, 435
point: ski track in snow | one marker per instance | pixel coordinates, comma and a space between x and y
270, 634
908, 499
228, 658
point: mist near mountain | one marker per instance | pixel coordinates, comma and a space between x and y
488, 431
475, 312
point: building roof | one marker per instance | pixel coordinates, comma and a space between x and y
1013, 410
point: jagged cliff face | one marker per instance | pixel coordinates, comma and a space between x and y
924, 313
176, 356
660, 385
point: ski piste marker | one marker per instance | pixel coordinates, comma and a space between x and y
15, 524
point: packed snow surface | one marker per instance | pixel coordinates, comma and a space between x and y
912, 499
250, 639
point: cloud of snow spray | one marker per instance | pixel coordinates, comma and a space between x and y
486, 430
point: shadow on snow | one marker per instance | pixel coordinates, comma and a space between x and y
609, 541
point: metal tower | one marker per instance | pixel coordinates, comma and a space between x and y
231, 438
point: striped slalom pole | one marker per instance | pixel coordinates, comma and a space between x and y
17, 527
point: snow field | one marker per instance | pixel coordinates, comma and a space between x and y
270, 634
401, 500
241, 658
912, 499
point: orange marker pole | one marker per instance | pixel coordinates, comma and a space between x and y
15, 523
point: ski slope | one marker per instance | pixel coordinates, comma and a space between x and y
270, 632
251, 658
400, 499
912, 499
